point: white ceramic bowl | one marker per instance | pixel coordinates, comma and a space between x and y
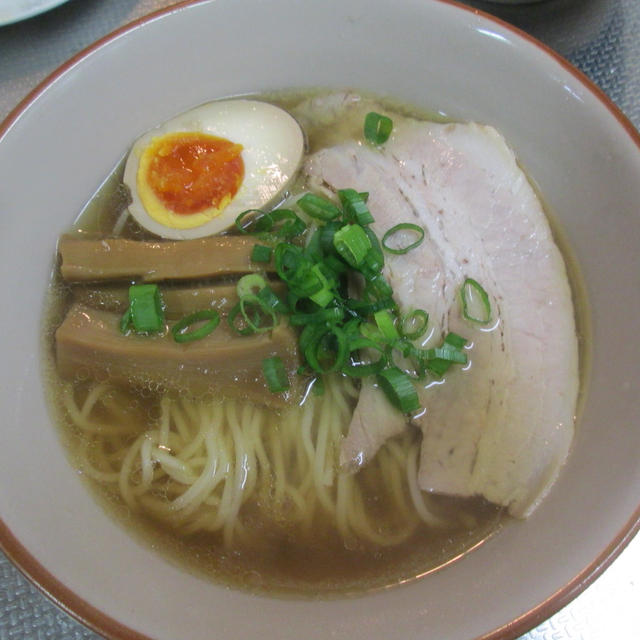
59, 144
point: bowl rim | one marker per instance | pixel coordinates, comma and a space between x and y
109, 627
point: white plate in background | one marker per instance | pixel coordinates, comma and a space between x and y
16, 10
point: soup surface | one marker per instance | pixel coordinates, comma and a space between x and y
325, 487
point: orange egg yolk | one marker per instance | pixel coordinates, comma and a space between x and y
190, 172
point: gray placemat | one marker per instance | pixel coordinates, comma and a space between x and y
600, 37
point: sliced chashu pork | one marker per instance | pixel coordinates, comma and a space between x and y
501, 427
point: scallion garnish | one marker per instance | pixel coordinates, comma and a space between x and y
261, 253
275, 374
399, 389
318, 207
251, 284
253, 221
271, 300
145, 312
413, 325
286, 224
403, 226
359, 367
352, 243
279, 223
181, 330
331, 315
355, 207
455, 340
475, 302
326, 348
364, 308
325, 294
385, 323
439, 360
374, 260
446, 352
251, 307
377, 128
252, 315
377, 287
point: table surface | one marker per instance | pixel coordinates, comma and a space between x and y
600, 37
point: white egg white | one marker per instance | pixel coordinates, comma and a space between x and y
273, 148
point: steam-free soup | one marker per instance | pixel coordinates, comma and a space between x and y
394, 432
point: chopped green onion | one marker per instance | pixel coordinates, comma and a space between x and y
333, 314
325, 349
378, 288
240, 329
292, 301
325, 295
475, 302
257, 327
293, 226
145, 310
413, 325
385, 323
360, 368
180, 330
438, 367
318, 207
310, 334
371, 332
250, 284
253, 312
446, 352
275, 374
296, 270
439, 360
374, 260
403, 226
399, 389
307, 281
377, 128
270, 298
261, 222
404, 347
352, 243
327, 232
355, 208
352, 328
365, 308
412, 364
313, 250
256, 222
455, 340
261, 253
335, 265
287, 258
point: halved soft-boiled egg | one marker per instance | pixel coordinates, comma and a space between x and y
193, 175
